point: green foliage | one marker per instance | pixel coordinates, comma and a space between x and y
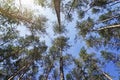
41, 77
67, 60
96, 30
81, 14
105, 34
59, 29
23, 57
69, 77
107, 55
99, 3
69, 17
42, 3
111, 57
61, 42
86, 67
105, 16
95, 10
39, 24
85, 26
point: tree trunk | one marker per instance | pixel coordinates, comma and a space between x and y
50, 68
57, 9
61, 66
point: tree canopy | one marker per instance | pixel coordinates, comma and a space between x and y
47, 52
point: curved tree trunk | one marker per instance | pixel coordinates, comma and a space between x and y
57, 9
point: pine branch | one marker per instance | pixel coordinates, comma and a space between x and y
71, 7
115, 2
17, 73
107, 76
105, 20
109, 27
22, 69
16, 52
15, 16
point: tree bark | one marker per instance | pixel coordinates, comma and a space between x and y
110, 18
107, 76
107, 27
50, 68
57, 9
61, 66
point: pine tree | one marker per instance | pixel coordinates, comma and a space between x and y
23, 57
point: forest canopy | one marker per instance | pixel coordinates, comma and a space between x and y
59, 39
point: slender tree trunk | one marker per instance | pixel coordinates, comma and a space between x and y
50, 68
57, 9
61, 66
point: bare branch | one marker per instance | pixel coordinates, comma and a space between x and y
109, 27
107, 76
71, 7
105, 20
